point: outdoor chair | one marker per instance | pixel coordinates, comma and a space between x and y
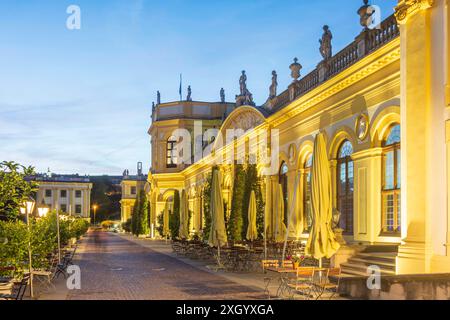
267, 280
330, 284
18, 289
45, 277
66, 262
303, 282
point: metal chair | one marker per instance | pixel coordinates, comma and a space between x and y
329, 285
267, 280
303, 282
18, 290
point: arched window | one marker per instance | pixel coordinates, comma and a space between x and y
307, 193
284, 184
391, 219
345, 187
171, 156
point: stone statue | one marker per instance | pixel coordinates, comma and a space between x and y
243, 83
245, 98
153, 106
222, 95
325, 43
366, 14
189, 94
158, 97
274, 85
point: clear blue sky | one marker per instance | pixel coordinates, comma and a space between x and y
80, 101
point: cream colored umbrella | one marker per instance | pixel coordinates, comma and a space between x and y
322, 242
217, 235
166, 227
184, 217
252, 232
280, 226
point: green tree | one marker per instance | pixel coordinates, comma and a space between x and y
174, 220
135, 217
14, 188
143, 227
206, 207
236, 223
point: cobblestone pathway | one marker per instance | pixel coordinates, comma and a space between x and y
114, 268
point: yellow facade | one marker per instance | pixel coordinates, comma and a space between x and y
400, 82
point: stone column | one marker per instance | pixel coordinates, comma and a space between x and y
416, 48
300, 212
448, 188
333, 172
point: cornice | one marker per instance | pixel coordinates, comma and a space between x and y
407, 8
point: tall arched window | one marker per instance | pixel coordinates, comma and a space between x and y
307, 193
391, 219
284, 184
345, 187
171, 156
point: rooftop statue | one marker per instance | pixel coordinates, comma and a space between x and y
366, 14
274, 85
158, 97
245, 98
222, 95
189, 95
243, 83
295, 69
325, 43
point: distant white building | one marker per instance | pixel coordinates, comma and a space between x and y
70, 194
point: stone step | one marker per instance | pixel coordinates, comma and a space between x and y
361, 269
384, 264
387, 257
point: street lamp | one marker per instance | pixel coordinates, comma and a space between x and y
43, 211
27, 209
95, 212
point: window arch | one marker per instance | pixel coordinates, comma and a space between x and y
171, 154
391, 204
284, 169
307, 193
345, 186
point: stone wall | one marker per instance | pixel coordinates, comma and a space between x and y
408, 287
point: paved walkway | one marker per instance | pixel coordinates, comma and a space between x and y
112, 267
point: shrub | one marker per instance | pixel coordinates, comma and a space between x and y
126, 226
206, 208
107, 224
160, 227
14, 246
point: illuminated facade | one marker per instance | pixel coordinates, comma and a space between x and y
71, 194
131, 186
382, 103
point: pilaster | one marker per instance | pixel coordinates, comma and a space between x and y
416, 39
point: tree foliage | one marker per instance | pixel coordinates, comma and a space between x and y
14, 189
235, 225
207, 207
174, 219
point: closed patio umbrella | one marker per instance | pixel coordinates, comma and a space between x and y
184, 217
252, 232
280, 226
322, 242
217, 235
166, 227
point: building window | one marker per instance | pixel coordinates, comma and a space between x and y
78, 209
284, 185
133, 191
391, 213
48, 193
77, 193
345, 187
307, 193
171, 153
64, 208
63, 193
